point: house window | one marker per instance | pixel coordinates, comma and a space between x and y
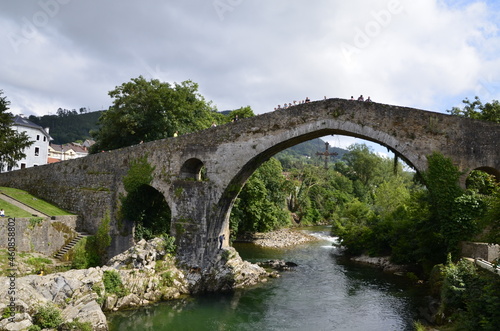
37, 137
23, 165
44, 138
37, 151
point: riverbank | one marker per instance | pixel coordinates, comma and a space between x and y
280, 238
141, 276
382, 262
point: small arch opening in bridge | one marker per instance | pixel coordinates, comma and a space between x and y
147, 208
193, 169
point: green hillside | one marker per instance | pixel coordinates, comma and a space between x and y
306, 153
68, 125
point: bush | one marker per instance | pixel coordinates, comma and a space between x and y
113, 283
48, 316
84, 254
167, 279
470, 298
77, 325
170, 246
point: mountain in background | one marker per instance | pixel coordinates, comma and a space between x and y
68, 125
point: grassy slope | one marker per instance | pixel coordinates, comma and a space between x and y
29, 200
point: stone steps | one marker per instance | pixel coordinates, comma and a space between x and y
70, 245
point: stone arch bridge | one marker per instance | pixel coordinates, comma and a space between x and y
92, 186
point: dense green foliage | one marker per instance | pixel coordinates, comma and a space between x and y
415, 224
260, 206
48, 316
143, 204
91, 251
12, 143
150, 110
113, 283
68, 125
490, 111
470, 299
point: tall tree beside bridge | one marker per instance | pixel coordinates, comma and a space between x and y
144, 111
490, 111
12, 143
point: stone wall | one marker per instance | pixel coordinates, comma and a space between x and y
40, 235
487, 252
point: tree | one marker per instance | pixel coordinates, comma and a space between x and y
260, 206
12, 143
476, 110
149, 110
242, 112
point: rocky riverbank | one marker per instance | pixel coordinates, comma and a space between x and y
382, 262
280, 238
142, 275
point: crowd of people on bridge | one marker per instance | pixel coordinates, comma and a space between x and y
307, 100
290, 104
361, 98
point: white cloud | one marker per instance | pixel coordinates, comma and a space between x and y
426, 54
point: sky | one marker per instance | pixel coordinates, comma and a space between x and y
426, 54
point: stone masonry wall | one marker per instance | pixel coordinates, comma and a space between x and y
40, 235
485, 251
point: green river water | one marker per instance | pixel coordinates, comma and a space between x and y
322, 293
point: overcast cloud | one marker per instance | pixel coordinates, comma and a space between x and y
426, 54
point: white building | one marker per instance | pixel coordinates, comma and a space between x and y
37, 153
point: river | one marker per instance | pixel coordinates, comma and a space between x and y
322, 293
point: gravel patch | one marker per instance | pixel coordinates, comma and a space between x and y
281, 238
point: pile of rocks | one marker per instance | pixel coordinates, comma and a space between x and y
281, 238
382, 262
227, 272
146, 272
279, 265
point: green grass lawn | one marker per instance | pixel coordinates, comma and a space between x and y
13, 211
30, 200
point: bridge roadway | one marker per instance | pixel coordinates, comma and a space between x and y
91, 187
